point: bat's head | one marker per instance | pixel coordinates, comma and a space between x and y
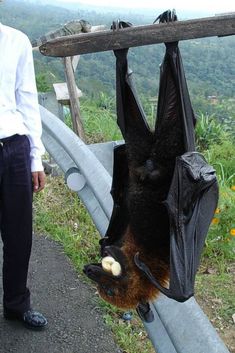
119, 281
112, 276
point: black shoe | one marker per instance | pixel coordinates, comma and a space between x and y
31, 319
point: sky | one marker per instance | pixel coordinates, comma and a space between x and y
214, 6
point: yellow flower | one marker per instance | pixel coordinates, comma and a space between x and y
217, 211
215, 220
233, 187
232, 232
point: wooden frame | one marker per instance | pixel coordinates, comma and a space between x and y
139, 35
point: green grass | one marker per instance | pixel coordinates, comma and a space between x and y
208, 130
216, 296
99, 123
222, 157
220, 243
61, 214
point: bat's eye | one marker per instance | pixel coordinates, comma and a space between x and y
108, 291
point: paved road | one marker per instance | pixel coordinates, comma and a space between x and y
75, 323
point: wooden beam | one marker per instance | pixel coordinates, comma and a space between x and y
139, 35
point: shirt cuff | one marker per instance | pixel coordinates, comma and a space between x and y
36, 165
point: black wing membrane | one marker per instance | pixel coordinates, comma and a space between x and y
191, 203
130, 114
120, 216
174, 106
193, 192
134, 127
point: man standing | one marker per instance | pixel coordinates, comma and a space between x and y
21, 171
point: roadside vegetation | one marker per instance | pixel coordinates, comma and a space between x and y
61, 215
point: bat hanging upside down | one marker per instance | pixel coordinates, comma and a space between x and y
143, 170
136, 255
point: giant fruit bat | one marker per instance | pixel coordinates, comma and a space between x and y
164, 194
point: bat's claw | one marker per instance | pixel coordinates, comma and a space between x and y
166, 17
120, 25
116, 26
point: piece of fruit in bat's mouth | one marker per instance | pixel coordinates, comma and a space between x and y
109, 264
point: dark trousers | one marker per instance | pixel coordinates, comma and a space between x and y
15, 220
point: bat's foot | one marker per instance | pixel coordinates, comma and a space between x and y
166, 17
116, 26
145, 313
120, 25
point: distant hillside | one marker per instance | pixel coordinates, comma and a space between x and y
209, 63
142, 11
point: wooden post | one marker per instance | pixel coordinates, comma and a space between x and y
135, 36
74, 102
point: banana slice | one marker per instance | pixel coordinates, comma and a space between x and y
107, 262
116, 268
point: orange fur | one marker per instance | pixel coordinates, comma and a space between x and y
135, 287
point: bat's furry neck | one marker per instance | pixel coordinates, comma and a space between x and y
157, 259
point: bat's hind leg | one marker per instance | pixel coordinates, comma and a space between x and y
145, 313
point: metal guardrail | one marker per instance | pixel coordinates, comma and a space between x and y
177, 327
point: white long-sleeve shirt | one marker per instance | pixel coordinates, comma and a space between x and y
19, 110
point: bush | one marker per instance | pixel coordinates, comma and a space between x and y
42, 83
99, 123
208, 130
221, 237
222, 157
216, 143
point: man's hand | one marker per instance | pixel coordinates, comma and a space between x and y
39, 179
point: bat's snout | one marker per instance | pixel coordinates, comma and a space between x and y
87, 270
